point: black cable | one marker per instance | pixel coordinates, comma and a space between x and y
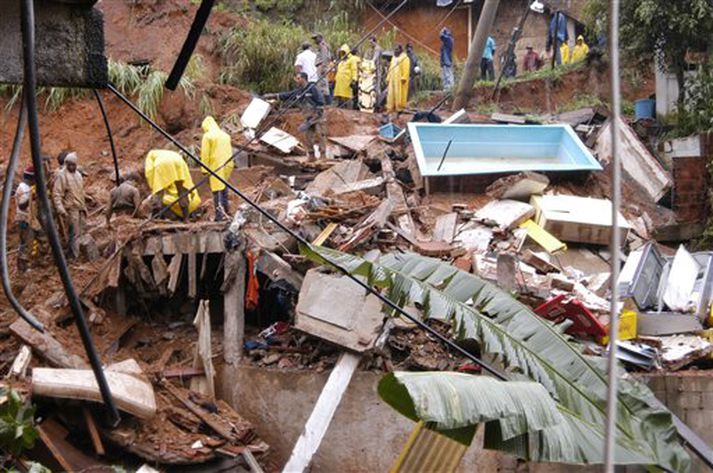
189, 45
283, 110
28, 45
487, 367
6, 195
110, 134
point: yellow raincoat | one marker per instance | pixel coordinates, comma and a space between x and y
347, 71
564, 53
216, 150
397, 83
580, 50
163, 170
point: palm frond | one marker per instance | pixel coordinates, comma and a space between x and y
528, 346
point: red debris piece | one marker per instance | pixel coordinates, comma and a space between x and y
563, 307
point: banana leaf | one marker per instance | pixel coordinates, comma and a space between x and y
528, 347
455, 403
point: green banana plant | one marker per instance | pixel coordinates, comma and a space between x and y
528, 348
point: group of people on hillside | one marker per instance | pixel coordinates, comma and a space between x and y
391, 76
172, 193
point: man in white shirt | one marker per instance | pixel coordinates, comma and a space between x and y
306, 62
26, 217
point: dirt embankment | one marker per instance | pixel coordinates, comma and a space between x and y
552, 95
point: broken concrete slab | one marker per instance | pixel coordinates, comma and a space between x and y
577, 219
372, 186
276, 241
255, 113
343, 173
131, 393
445, 227
666, 323
518, 186
636, 160
354, 143
280, 139
680, 350
506, 214
355, 324
473, 236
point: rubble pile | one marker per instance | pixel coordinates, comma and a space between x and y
542, 236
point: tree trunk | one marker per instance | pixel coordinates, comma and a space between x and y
681, 79
472, 65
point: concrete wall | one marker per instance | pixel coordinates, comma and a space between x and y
70, 44
366, 435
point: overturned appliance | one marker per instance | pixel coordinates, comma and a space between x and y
673, 294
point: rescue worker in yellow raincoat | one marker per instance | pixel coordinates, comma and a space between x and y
564, 53
168, 177
580, 51
217, 154
346, 77
397, 80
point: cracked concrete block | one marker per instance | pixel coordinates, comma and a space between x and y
69, 44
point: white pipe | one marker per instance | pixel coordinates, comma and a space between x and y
613, 379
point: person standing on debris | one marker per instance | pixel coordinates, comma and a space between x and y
557, 35
398, 81
168, 177
124, 198
217, 154
306, 62
531, 61
356, 63
26, 217
70, 202
414, 70
487, 69
323, 62
346, 77
580, 51
311, 102
447, 59
374, 55
564, 53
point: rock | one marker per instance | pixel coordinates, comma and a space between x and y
518, 186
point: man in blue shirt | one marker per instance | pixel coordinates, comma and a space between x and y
557, 35
447, 59
487, 71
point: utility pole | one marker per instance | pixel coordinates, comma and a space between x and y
472, 65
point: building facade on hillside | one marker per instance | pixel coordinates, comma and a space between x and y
420, 22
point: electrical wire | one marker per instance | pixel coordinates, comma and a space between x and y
110, 134
486, 366
6, 195
29, 82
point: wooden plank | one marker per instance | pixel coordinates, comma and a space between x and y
445, 228
325, 234
543, 238
204, 352
93, 432
20, 364
323, 412
46, 346
54, 437
234, 307
192, 275
131, 394
174, 270
252, 461
220, 429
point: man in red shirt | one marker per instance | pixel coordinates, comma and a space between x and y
531, 61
